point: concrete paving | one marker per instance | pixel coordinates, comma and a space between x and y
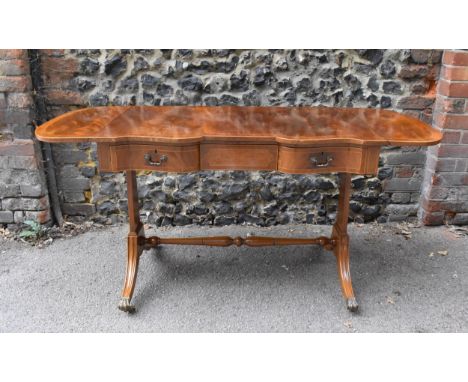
74, 284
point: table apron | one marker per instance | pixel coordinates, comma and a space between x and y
354, 159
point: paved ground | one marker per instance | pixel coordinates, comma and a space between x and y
74, 284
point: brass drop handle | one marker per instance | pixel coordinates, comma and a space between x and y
150, 162
321, 160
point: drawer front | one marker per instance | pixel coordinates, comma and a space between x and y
356, 160
155, 157
216, 156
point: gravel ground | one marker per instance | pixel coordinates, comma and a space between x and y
73, 285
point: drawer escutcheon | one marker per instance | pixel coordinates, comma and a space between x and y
149, 159
321, 160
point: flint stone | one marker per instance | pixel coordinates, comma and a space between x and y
181, 220
115, 65
191, 83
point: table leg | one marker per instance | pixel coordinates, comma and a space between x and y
341, 249
134, 246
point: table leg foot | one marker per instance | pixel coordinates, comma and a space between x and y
342, 258
352, 304
134, 252
125, 306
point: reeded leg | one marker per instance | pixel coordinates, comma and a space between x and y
340, 235
134, 248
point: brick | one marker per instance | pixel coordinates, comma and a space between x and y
3, 103
404, 172
464, 137
58, 71
18, 116
461, 166
453, 89
63, 97
431, 218
438, 193
458, 58
9, 190
19, 100
57, 63
451, 121
454, 73
6, 217
402, 184
69, 157
443, 205
451, 136
399, 212
445, 164
22, 162
19, 216
415, 102
450, 105
53, 52
401, 197
21, 131
21, 204
34, 190
74, 184
453, 151
73, 197
460, 219
14, 68
17, 147
411, 158
41, 217
8, 54
21, 176
14, 84
69, 171
81, 209
450, 179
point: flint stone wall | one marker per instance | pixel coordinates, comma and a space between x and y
402, 80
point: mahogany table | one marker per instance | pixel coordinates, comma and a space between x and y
298, 140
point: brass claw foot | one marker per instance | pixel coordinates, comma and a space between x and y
125, 306
352, 304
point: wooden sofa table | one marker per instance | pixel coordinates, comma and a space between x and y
298, 140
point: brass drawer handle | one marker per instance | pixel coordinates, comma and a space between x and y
150, 162
321, 160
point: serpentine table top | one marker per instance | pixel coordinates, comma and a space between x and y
192, 138
297, 126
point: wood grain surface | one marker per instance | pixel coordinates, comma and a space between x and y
292, 126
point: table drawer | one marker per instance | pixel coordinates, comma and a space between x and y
218, 156
356, 160
155, 157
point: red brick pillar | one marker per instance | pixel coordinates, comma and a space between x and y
444, 197
23, 189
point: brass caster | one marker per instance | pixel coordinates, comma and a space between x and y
125, 306
352, 304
